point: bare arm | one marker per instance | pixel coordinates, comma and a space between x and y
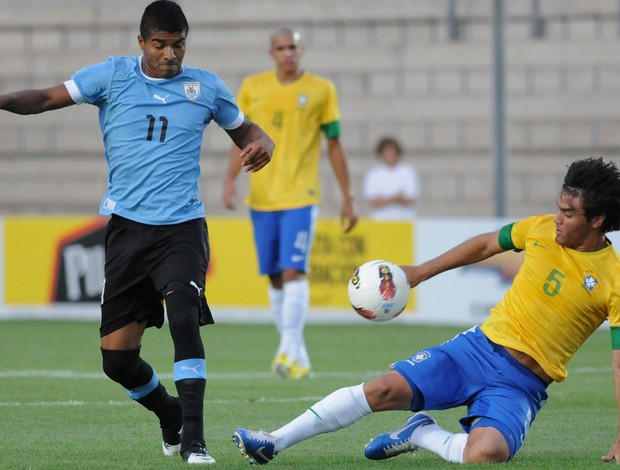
257, 151
229, 195
348, 216
396, 199
614, 452
36, 101
256, 146
470, 251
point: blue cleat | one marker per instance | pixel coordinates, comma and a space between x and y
390, 444
258, 446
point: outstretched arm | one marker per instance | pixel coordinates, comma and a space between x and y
36, 101
614, 452
339, 165
470, 251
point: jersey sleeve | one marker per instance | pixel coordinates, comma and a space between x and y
614, 311
94, 81
512, 236
227, 113
330, 116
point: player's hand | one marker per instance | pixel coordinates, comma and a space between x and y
614, 454
229, 195
414, 275
348, 217
255, 156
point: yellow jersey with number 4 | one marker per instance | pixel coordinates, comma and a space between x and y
559, 297
294, 115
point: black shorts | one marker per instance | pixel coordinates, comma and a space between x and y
144, 262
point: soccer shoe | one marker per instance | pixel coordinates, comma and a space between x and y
390, 444
281, 366
197, 454
171, 437
257, 446
298, 371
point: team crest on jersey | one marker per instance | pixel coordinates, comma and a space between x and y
302, 100
590, 282
421, 356
191, 90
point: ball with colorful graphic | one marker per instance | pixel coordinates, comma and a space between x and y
378, 290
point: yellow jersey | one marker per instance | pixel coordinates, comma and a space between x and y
559, 297
293, 115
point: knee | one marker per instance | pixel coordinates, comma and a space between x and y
182, 310
388, 392
120, 365
486, 445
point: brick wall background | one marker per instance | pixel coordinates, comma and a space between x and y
420, 70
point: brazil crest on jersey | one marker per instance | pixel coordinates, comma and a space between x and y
152, 134
293, 115
559, 297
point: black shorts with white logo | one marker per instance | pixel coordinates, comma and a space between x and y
145, 262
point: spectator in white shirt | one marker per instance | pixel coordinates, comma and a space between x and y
391, 186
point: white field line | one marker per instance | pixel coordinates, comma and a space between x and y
6, 404
66, 374
69, 374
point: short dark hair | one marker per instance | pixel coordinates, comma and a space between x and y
389, 142
598, 184
163, 15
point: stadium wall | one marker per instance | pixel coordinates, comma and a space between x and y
420, 70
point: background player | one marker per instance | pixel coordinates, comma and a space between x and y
152, 112
568, 285
294, 107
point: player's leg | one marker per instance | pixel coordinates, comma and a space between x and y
178, 268
297, 229
336, 411
484, 445
190, 368
499, 419
276, 296
122, 363
130, 304
503, 399
440, 377
267, 239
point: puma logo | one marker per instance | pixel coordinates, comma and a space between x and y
199, 289
193, 369
157, 97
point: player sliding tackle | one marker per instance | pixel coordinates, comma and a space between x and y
568, 285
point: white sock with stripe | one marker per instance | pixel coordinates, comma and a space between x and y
336, 411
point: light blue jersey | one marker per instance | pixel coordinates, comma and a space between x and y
152, 133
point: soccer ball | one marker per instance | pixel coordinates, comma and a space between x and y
378, 290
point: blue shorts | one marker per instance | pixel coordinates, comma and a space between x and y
284, 238
473, 371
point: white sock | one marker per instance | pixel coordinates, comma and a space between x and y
336, 411
275, 302
447, 445
296, 297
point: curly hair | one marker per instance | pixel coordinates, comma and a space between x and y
598, 184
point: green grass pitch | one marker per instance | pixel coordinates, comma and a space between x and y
58, 411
